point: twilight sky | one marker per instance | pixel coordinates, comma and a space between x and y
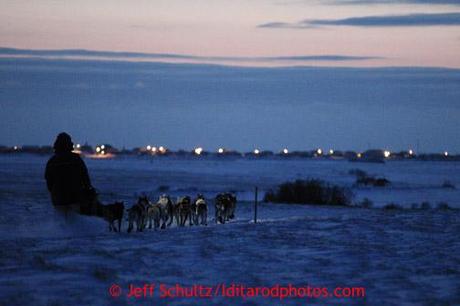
390, 33
350, 74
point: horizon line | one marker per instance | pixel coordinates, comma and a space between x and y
325, 151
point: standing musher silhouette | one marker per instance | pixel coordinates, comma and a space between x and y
67, 179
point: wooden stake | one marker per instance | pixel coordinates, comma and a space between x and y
255, 206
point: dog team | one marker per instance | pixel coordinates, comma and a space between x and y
146, 214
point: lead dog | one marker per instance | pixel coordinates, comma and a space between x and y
225, 205
232, 207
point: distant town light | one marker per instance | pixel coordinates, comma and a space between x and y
154, 149
285, 151
102, 147
78, 146
102, 152
256, 151
162, 149
149, 147
359, 155
319, 151
446, 153
221, 150
98, 149
386, 153
331, 152
411, 152
198, 150
15, 148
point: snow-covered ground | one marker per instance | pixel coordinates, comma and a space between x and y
400, 257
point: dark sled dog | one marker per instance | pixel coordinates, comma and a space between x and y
111, 213
183, 211
138, 214
225, 205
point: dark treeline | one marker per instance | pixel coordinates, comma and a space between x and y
375, 155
